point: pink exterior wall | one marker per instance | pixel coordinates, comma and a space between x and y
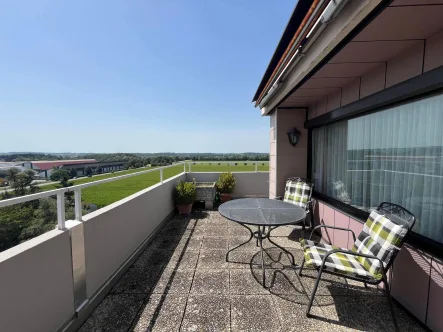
421, 57
290, 161
273, 156
435, 303
433, 51
410, 284
351, 92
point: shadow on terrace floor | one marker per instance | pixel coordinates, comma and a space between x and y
182, 282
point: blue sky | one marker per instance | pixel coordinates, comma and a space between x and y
135, 76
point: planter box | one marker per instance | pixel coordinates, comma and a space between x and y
206, 192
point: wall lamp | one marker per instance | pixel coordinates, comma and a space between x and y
293, 136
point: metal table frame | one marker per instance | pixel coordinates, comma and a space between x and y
260, 235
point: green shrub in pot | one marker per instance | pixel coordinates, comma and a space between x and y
226, 185
184, 196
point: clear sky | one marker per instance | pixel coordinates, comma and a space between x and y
135, 76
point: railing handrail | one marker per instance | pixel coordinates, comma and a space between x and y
31, 197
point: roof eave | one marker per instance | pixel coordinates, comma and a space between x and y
297, 17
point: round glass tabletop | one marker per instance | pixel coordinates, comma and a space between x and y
262, 212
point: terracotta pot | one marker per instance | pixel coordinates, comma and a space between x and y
184, 209
225, 197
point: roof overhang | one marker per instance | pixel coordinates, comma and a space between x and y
364, 36
294, 22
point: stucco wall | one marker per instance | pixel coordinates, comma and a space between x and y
36, 284
114, 232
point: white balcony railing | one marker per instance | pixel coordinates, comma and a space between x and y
59, 277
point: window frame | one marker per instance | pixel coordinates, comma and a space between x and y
420, 87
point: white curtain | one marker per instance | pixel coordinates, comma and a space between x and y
394, 155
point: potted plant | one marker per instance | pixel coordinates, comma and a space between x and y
184, 196
225, 185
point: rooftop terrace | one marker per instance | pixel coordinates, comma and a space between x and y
182, 282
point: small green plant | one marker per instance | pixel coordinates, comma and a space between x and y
226, 183
185, 193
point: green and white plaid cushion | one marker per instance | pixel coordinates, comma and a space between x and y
297, 192
379, 237
338, 262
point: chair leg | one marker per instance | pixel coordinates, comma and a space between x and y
314, 290
391, 304
301, 266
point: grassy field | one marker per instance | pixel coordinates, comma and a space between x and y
214, 167
108, 193
95, 178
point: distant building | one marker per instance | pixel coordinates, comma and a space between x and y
45, 168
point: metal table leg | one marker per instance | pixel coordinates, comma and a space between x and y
251, 236
260, 238
268, 236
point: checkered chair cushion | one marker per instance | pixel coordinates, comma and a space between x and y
380, 237
297, 192
337, 263
340, 191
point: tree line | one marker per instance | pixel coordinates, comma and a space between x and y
139, 158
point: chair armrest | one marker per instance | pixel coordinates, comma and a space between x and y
339, 228
350, 252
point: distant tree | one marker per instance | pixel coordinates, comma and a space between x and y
20, 181
62, 176
88, 171
246, 164
236, 164
73, 173
99, 170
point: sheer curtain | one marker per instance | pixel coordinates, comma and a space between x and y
393, 155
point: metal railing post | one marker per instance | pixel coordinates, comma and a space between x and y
256, 167
78, 204
161, 175
61, 210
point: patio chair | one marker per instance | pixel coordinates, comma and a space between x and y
299, 192
371, 255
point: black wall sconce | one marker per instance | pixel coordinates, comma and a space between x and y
293, 136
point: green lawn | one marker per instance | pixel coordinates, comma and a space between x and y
96, 178
214, 167
107, 193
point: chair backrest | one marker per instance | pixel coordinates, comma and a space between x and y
298, 191
340, 192
383, 235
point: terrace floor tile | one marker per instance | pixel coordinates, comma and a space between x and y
212, 259
254, 313
209, 282
207, 313
161, 313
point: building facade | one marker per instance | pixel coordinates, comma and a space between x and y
362, 81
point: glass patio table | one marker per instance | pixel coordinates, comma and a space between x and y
266, 214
